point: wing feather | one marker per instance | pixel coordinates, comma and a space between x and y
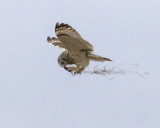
56, 42
71, 38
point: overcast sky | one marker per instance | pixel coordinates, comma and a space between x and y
35, 92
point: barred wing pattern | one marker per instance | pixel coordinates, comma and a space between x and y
65, 29
71, 38
77, 50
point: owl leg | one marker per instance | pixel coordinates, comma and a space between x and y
79, 71
76, 70
71, 69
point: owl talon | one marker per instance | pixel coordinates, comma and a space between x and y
66, 68
76, 73
70, 71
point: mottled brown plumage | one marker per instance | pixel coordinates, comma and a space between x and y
77, 50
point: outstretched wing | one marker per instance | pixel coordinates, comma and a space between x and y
71, 38
56, 42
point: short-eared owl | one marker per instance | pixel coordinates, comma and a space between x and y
76, 50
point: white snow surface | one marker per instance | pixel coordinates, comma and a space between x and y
35, 92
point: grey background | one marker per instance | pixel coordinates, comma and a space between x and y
36, 93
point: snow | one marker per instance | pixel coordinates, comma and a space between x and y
35, 92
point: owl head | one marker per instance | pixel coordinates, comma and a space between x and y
62, 62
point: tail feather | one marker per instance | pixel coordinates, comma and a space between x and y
97, 58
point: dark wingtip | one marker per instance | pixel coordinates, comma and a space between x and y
62, 25
48, 38
57, 25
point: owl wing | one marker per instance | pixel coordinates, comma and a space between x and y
56, 42
71, 38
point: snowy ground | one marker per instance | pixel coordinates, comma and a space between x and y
35, 92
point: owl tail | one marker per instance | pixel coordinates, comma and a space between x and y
97, 58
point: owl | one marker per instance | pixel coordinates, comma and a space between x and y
77, 51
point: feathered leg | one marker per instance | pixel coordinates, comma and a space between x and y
76, 70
